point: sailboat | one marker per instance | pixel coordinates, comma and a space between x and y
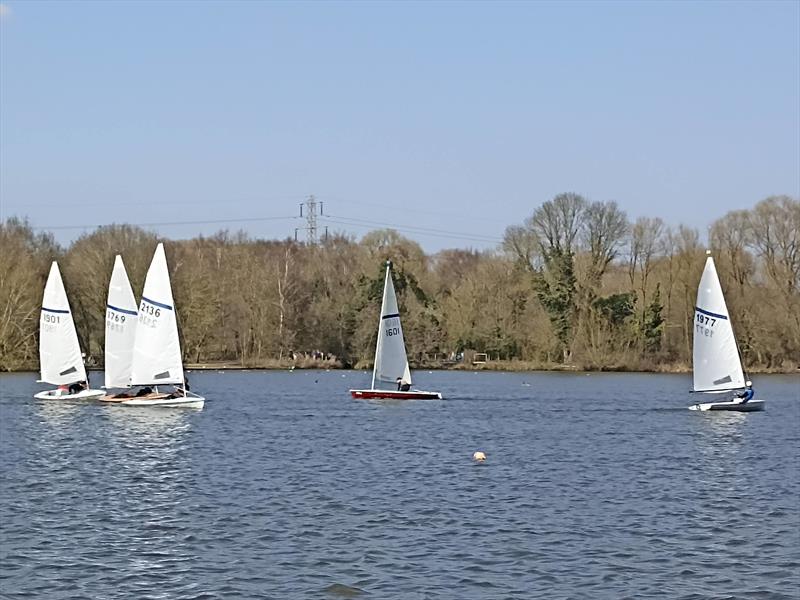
156, 348
717, 363
60, 355
391, 363
121, 317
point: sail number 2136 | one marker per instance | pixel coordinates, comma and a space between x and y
149, 309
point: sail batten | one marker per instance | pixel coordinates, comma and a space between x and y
717, 365
121, 318
60, 355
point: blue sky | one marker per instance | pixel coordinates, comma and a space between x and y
449, 121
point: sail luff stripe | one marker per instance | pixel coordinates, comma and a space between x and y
709, 313
390, 316
122, 310
54, 310
159, 304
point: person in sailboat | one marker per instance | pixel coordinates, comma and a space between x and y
78, 387
748, 392
402, 386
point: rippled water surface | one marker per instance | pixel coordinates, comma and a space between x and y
596, 486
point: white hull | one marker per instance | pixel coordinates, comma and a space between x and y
59, 395
164, 400
735, 405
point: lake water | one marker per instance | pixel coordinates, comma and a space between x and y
596, 486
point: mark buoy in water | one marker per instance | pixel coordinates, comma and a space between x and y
478, 456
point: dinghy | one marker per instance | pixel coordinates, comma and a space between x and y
391, 363
60, 355
717, 364
121, 317
156, 348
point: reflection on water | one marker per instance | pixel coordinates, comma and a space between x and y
145, 422
56, 413
720, 431
592, 488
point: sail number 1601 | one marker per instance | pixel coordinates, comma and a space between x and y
390, 331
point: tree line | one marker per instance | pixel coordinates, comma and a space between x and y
576, 285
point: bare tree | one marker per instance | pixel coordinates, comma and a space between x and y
645, 243
604, 230
775, 228
557, 223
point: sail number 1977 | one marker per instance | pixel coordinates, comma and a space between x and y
706, 320
704, 324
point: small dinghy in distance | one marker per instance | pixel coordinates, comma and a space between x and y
717, 364
391, 363
121, 317
60, 357
157, 349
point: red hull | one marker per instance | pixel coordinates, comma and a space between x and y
389, 395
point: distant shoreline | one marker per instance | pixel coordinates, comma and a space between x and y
491, 366
494, 366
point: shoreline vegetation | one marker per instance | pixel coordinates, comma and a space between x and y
500, 366
577, 286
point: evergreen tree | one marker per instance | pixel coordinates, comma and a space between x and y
653, 326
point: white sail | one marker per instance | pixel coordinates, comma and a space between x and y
390, 353
121, 317
717, 366
59, 350
157, 349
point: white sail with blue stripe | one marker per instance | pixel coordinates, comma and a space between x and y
391, 362
717, 364
60, 356
121, 318
157, 349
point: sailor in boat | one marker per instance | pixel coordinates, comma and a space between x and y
78, 387
748, 392
402, 386
179, 391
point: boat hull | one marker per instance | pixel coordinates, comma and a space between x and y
394, 395
166, 401
115, 398
731, 405
58, 395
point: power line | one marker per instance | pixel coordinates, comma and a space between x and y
451, 215
333, 219
193, 202
364, 223
166, 223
